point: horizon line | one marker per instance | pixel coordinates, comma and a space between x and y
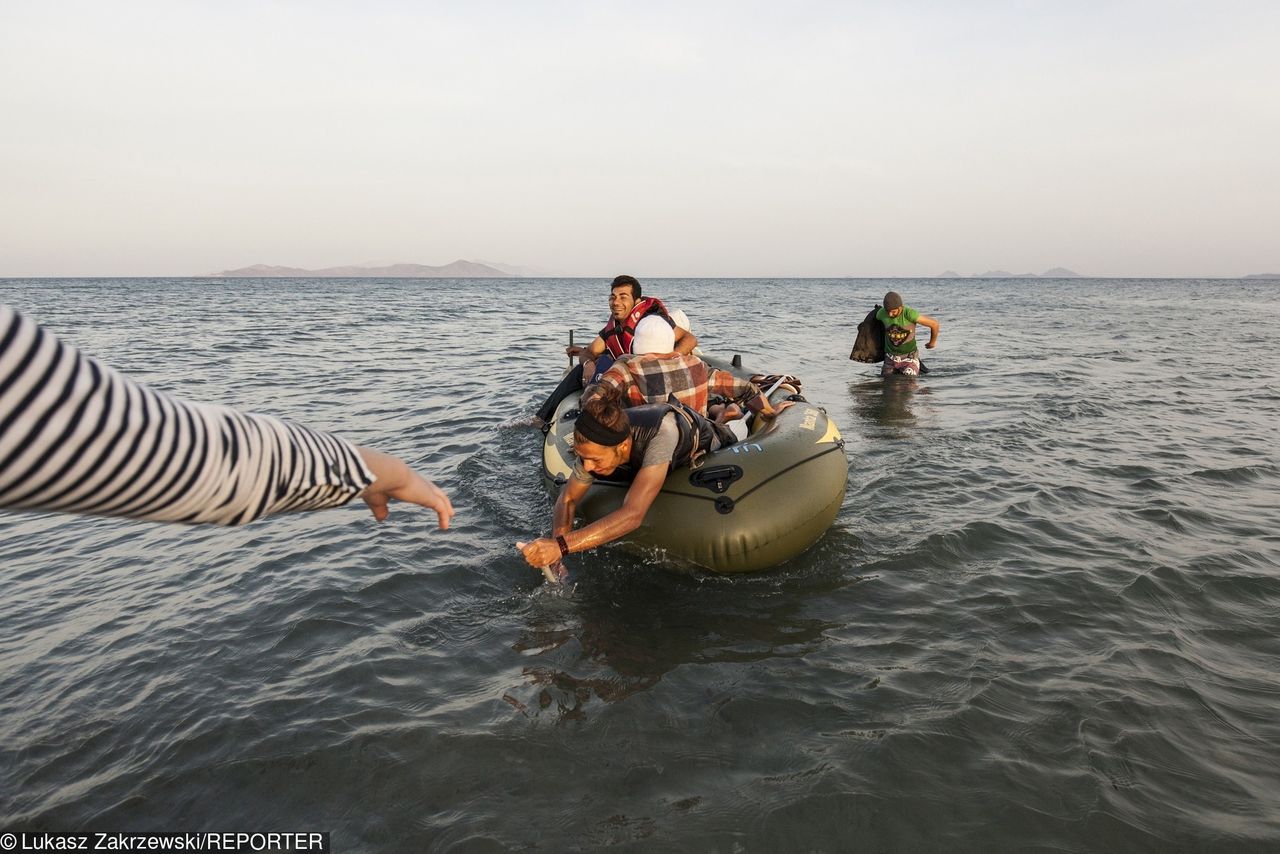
1020, 277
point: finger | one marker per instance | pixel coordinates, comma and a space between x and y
427, 494
377, 504
443, 507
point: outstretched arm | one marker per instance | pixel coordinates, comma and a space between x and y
545, 551
933, 330
640, 496
228, 467
567, 506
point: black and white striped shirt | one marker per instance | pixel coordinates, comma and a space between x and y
77, 436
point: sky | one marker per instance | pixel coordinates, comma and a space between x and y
687, 138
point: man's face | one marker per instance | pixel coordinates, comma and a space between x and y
621, 302
894, 312
601, 459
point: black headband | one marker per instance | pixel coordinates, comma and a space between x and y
593, 431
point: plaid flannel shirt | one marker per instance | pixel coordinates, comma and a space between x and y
646, 379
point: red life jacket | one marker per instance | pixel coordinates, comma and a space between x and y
617, 337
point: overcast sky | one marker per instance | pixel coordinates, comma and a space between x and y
662, 139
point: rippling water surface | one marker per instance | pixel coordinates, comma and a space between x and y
1045, 619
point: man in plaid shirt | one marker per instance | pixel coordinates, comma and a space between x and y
655, 373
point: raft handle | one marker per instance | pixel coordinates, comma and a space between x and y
717, 479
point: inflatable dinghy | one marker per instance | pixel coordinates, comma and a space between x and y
743, 508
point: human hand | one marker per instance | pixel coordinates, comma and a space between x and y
778, 410
543, 551
933, 342
394, 479
545, 557
573, 350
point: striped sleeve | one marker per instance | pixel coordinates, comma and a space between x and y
79, 437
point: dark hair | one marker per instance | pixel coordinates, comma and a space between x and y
619, 281
605, 406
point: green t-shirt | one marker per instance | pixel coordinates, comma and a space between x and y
900, 331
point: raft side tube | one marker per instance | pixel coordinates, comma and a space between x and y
780, 490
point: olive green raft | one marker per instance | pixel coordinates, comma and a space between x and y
742, 508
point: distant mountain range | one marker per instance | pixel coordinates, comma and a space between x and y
457, 270
1055, 273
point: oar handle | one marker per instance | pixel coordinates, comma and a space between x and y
751, 417
774, 387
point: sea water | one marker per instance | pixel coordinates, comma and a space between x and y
1045, 619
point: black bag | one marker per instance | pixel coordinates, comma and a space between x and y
868, 346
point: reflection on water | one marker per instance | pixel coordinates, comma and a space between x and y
887, 402
607, 641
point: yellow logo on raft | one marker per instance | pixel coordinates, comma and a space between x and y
811, 420
832, 434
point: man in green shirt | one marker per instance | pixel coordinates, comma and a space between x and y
901, 355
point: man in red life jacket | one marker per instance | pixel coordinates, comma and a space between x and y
626, 308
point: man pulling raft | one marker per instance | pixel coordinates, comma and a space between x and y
650, 440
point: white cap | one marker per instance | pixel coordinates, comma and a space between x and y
681, 319
653, 335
